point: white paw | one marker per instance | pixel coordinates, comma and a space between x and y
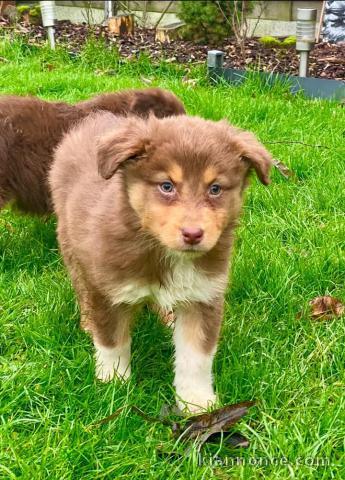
195, 400
112, 363
105, 373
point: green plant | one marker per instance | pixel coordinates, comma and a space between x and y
289, 42
35, 11
30, 14
206, 19
270, 42
35, 15
96, 54
23, 10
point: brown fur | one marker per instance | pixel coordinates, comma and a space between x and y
31, 128
138, 102
117, 228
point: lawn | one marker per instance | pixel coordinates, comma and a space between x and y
290, 248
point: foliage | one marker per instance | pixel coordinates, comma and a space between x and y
289, 41
96, 53
205, 21
33, 14
35, 11
273, 42
23, 9
270, 42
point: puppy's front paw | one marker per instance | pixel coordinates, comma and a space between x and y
110, 364
196, 400
105, 373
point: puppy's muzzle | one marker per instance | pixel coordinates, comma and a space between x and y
192, 235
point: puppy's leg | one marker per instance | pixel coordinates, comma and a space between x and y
109, 326
195, 337
77, 279
110, 330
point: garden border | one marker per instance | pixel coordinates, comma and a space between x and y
312, 87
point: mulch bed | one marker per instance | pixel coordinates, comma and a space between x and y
326, 60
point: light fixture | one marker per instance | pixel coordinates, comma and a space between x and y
305, 37
48, 19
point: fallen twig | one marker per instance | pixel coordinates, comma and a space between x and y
288, 142
138, 411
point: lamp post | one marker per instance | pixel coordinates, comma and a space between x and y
108, 10
305, 37
48, 19
215, 59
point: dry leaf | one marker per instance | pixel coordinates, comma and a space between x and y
326, 308
220, 420
207, 427
283, 169
230, 439
146, 80
189, 81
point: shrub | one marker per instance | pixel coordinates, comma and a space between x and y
270, 42
289, 42
35, 15
205, 21
35, 11
23, 10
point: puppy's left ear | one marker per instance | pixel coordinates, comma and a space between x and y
254, 153
128, 142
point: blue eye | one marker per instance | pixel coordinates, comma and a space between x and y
167, 187
215, 189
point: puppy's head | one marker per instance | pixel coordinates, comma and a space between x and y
184, 176
157, 101
141, 102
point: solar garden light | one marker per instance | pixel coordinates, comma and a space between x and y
108, 9
215, 59
305, 37
48, 19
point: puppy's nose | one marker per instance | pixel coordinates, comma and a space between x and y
192, 235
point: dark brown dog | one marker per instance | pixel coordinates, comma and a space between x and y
146, 210
30, 129
138, 102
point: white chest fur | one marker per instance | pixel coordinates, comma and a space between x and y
184, 284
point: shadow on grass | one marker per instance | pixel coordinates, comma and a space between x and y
27, 243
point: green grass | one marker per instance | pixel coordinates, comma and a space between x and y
290, 248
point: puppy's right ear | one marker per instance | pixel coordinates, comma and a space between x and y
114, 149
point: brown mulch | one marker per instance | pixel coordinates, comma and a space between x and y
326, 60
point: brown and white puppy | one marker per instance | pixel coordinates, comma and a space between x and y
147, 210
31, 128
